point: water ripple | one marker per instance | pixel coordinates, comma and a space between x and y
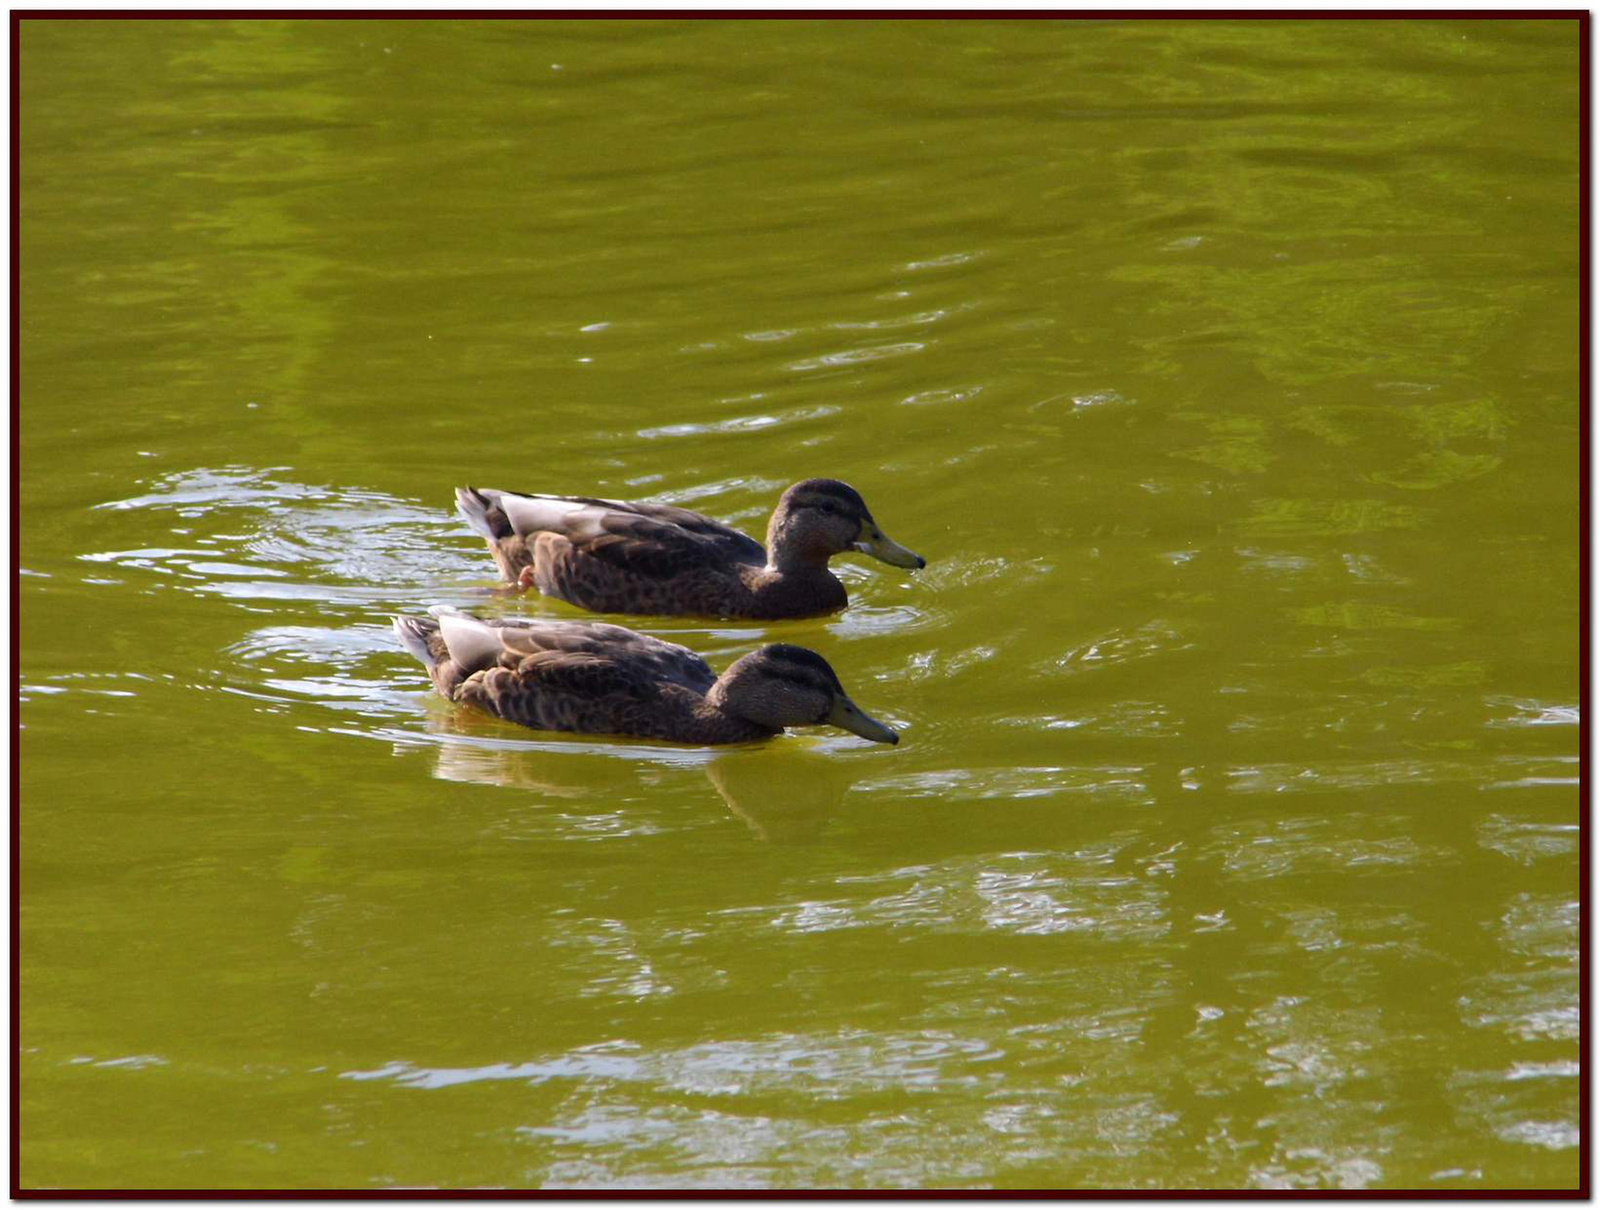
831, 1067
742, 424
344, 547
847, 357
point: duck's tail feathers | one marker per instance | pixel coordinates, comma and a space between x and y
414, 634
481, 510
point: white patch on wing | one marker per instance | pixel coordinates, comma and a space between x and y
530, 514
471, 644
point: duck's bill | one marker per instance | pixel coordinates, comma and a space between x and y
879, 545
851, 717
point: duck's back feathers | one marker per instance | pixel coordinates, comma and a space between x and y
612, 556
587, 520
551, 648
571, 676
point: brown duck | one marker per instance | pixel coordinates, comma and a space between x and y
604, 679
616, 557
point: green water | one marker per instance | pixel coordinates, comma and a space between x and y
1225, 372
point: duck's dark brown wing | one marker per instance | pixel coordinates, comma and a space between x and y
663, 550
589, 657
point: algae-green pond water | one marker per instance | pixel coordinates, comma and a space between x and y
1225, 372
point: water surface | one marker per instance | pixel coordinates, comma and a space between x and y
1226, 372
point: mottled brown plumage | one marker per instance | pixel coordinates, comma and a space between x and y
604, 679
617, 557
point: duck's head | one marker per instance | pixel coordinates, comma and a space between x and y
818, 518
781, 685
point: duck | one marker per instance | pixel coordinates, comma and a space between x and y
602, 679
613, 556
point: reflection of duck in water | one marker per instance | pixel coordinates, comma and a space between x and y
616, 557
603, 679
785, 794
472, 748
